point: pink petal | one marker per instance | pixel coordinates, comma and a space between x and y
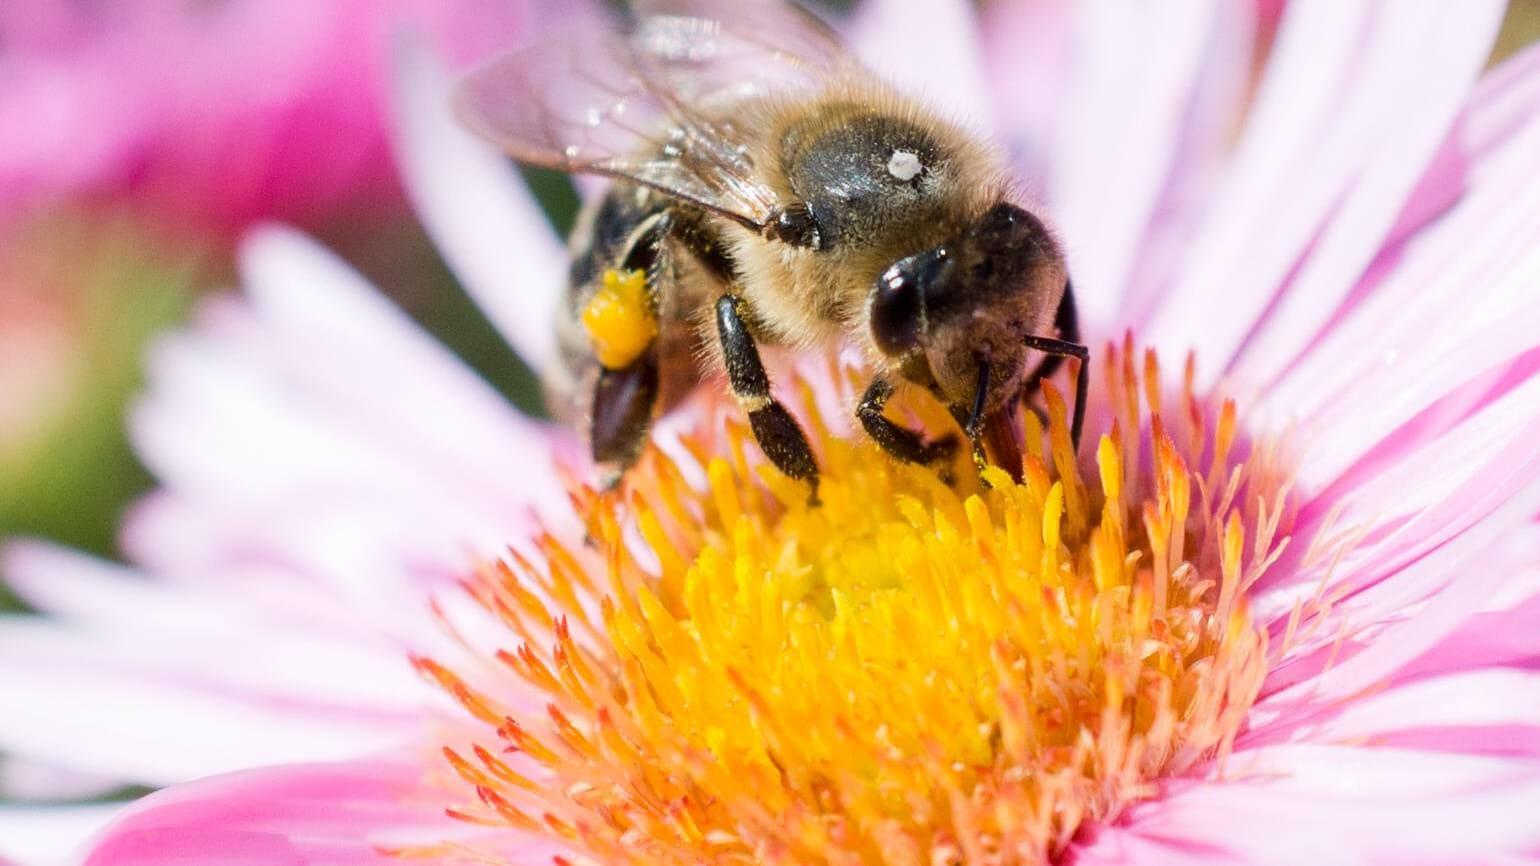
1390, 625
337, 814
478, 211
413, 389
1477, 712
893, 35
48, 835
184, 683
1503, 101
1026, 52
89, 592
1342, 89
1137, 70
1337, 804
1400, 351
1425, 498
26, 780
1344, 246
1391, 334
1492, 638
318, 426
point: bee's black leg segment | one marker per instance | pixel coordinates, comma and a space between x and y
1066, 327
974, 426
777, 431
1064, 349
622, 410
901, 442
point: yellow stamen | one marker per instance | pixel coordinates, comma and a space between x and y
619, 318
907, 672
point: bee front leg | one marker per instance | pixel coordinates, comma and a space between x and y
1064, 349
901, 442
622, 413
776, 430
1064, 344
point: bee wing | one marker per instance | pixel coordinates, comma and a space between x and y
649, 104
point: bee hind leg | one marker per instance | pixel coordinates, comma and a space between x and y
622, 413
774, 428
899, 441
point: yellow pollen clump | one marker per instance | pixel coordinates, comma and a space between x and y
909, 672
619, 318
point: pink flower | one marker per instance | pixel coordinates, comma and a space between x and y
1356, 267
213, 115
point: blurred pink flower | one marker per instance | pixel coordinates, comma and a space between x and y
1360, 263
213, 115
139, 138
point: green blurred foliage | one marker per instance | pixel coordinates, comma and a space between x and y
556, 194
71, 475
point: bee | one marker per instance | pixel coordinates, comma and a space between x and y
768, 189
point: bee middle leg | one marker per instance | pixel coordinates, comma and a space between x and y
777, 432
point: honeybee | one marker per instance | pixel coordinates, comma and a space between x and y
769, 189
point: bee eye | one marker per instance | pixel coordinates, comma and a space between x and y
794, 225
898, 310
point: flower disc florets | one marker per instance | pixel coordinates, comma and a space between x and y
908, 672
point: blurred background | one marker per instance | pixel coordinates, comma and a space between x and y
139, 138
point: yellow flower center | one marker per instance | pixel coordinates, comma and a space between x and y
909, 672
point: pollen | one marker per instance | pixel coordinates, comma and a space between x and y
620, 319
921, 668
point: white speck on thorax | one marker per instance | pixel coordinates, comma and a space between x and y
904, 165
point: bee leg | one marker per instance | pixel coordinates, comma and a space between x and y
899, 441
622, 412
974, 425
1065, 344
1059, 349
774, 427
1066, 327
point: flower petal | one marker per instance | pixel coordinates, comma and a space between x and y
190, 683
478, 211
26, 781
1422, 499
1339, 804
1478, 712
1369, 210
47, 836
1344, 90
317, 424
1400, 350
1138, 70
927, 49
337, 814
1026, 52
1502, 637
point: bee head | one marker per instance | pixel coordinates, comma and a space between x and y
968, 302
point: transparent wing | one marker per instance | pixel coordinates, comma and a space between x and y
653, 103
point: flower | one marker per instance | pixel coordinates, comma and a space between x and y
140, 139
1360, 693
212, 116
